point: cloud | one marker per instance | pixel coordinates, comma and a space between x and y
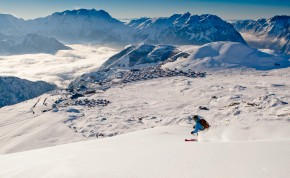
60, 68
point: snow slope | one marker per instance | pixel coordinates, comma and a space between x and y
273, 33
136, 56
242, 106
223, 55
159, 152
14, 90
30, 44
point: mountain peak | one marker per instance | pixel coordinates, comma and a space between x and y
85, 12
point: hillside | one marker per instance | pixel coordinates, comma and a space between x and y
14, 90
226, 55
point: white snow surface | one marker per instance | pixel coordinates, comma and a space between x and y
249, 114
223, 55
59, 69
159, 152
242, 106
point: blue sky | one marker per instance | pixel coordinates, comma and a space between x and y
227, 9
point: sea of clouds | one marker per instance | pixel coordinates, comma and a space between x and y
61, 68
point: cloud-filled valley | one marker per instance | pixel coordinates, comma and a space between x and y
58, 69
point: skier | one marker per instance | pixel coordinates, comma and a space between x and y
200, 125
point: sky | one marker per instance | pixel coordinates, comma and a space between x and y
226, 9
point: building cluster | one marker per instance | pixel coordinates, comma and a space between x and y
90, 102
147, 73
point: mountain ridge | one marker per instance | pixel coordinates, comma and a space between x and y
273, 33
99, 26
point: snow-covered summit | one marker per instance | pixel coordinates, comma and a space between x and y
76, 25
14, 90
185, 29
274, 33
88, 13
29, 44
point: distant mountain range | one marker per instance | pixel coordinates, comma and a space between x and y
14, 90
90, 25
273, 33
98, 26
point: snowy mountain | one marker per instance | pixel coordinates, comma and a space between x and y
29, 44
136, 56
215, 55
135, 62
14, 90
184, 29
98, 26
273, 33
147, 61
77, 25
226, 55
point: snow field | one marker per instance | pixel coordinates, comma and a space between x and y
242, 106
158, 152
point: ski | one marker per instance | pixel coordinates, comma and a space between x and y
191, 140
